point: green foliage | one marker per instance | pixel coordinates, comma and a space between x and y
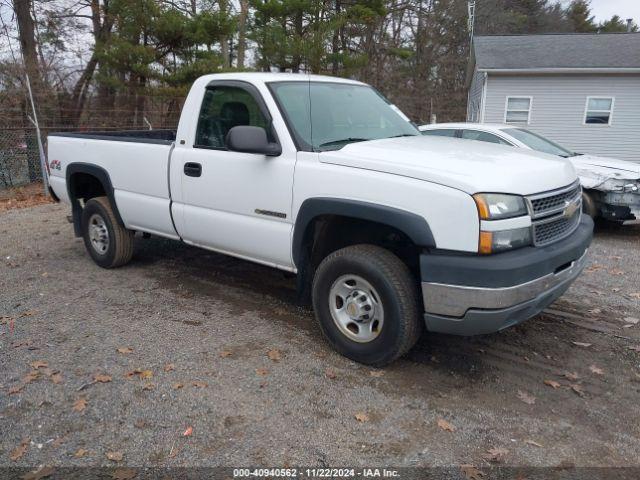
616, 25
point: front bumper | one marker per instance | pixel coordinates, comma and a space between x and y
471, 294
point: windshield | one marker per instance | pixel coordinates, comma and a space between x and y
328, 116
537, 142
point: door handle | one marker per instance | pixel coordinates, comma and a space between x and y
192, 169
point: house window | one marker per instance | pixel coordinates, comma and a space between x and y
518, 110
598, 110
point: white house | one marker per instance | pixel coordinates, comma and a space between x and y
581, 90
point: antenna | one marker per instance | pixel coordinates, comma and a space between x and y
471, 7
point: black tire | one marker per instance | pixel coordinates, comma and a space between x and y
589, 206
398, 292
119, 246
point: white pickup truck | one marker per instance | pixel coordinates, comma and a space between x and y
387, 230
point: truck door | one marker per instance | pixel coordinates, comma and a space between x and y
232, 202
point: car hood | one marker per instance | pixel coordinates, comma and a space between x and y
595, 171
465, 165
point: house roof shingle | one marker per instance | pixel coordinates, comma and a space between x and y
604, 50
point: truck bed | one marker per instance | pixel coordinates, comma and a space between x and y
164, 137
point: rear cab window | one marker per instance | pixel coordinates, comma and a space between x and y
441, 132
481, 136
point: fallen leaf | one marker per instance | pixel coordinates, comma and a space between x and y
140, 424
29, 313
581, 344
188, 432
31, 376
535, 444
577, 389
552, 383
446, 426
635, 295
495, 455
115, 456
199, 384
526, 397
100, 378
124, 350
471, 472
80, 404
177, 386
616, 271
594, 311
362, 417
20, 450
225, 353
169, 367
274, 355
56, 378
330, 374
148, 386
262, 371
141, 374
42, 472
16, 389
124, 474
631, 320
81, 452
376, 373
596, 370
39, 364
573, 376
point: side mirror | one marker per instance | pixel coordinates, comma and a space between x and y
246, 139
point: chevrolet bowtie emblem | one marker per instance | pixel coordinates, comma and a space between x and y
570, 209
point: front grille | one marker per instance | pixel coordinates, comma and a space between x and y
548, 232
553, 202
550, 219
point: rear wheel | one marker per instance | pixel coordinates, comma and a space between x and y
109, 244
367, 304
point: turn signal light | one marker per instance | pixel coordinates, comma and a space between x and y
486, 243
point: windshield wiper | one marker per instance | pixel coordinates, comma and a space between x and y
344, 140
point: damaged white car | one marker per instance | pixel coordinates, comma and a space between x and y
611, 188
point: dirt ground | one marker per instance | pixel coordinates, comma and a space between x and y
190, 358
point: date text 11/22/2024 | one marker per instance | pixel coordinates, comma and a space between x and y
315, 472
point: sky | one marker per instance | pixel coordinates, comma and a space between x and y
605, 9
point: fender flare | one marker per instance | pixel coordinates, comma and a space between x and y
103, 177
412, 225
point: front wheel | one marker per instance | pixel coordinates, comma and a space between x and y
109, 243
367, 304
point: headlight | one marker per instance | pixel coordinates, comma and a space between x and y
502, 240
497, 206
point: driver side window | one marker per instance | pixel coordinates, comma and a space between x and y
222, 109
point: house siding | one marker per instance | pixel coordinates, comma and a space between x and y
474, 105
558, 109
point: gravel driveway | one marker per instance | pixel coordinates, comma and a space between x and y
190, 358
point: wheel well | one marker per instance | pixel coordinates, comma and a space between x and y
85, 186
328, 233
84, 182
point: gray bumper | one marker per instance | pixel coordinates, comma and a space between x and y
491, 310
487, 294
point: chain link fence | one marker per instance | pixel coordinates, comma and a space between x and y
19, 157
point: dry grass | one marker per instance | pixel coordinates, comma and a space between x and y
23, 197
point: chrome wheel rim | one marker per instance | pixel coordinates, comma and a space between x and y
98, 234
356, 308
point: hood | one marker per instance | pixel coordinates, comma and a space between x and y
465, 165
595, 170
